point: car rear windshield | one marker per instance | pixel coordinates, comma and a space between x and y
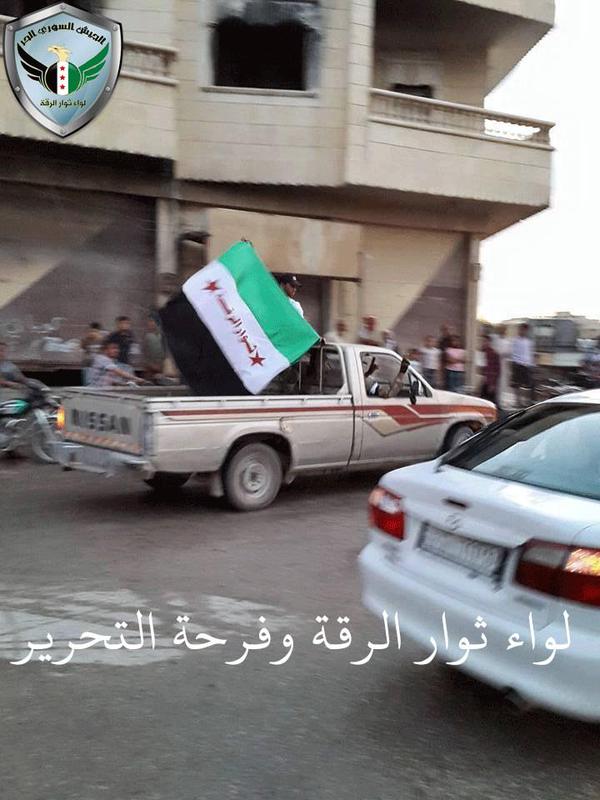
554, 447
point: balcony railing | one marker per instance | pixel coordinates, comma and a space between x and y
421, 112
141, 61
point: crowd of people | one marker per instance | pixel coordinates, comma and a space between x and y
107, 357
440, 361
504, 364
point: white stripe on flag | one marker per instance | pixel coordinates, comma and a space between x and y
213, 293
62, 78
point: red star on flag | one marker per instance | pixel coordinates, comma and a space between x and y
62, 69
62, 86
257, 360
212, 286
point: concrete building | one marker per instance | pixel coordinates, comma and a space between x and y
346, 139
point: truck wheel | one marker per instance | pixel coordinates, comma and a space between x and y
168, 481
253, 477
457, 436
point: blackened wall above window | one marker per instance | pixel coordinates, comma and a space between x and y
18, 8
271, 12
266, 44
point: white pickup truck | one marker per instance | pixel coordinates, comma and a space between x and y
342, 407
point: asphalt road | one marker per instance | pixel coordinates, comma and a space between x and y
80, 553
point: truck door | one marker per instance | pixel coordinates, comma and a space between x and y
391, 428
321, 422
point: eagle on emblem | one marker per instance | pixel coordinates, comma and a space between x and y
62, 77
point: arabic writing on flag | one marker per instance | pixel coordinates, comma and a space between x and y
231, 330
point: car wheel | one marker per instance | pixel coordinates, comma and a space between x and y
457, 436
168, 481
253, 477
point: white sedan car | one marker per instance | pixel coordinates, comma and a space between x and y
490, 555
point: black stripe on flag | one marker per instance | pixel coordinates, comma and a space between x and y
196, 353
52, 78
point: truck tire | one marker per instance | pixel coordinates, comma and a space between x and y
252, 477
166, 482
456, 436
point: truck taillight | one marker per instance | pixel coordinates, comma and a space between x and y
572, 573
60, 418
386, 512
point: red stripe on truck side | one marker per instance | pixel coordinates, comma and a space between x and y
407, 412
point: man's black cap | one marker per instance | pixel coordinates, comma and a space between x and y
291, 279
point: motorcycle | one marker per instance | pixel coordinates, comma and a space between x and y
30, 422
552, 388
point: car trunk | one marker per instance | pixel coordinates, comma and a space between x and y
468, 537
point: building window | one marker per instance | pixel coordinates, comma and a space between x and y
266, 44
260, 56
418, 90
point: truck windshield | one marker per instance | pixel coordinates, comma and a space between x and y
554, 447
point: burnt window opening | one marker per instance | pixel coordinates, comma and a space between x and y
263, 56
417, 90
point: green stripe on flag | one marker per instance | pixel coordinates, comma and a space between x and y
280, 321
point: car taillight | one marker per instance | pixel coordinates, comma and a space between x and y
60, 419
572, 573
386, 512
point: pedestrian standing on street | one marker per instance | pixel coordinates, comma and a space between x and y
105, 371
123, 338
444, 343
414, 356
503, 347
430, 360
339, 334
153, 350
367, 333
490, 389
90, 344
455, 369
523, 364
389, 341
290, 285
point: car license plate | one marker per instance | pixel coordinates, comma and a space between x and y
485, 559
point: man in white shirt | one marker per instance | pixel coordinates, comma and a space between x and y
105, 370
290, 285
390, 341
430, 361
523, 363
503, 346
339, 335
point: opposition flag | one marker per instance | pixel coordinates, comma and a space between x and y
231, 329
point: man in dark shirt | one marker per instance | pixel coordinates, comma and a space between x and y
444, 343
491, 372
122, 337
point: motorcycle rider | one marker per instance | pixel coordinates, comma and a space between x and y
11, 376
